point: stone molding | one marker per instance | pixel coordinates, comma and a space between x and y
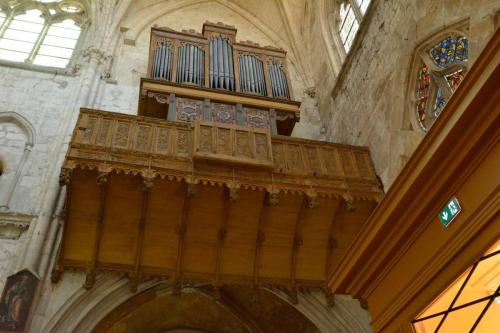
12, 224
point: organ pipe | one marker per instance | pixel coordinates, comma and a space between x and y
221, 64
251, 75
190, 64
279, 83
162, 62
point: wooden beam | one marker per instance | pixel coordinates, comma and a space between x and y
269, 199
230, 196
332, 242
64, 180
102, 181
148, 184
190, 192
297, 242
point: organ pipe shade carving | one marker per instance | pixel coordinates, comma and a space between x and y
221, 64
191, 65
162, 62
251, 75
279, 83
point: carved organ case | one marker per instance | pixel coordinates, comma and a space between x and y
209, 76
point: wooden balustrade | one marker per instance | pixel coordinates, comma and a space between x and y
213, 59
222, 153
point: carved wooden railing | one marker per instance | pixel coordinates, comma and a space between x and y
213, 59
220, 153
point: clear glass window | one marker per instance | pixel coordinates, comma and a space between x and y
58, 45
41, 39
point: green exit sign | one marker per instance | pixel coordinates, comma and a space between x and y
450, 211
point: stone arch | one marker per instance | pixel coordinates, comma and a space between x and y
21, 122
83, 310
27, 128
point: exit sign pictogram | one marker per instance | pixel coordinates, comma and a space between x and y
450, 211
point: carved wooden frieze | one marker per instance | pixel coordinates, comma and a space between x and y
105, 141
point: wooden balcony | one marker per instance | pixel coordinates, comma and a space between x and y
210, 202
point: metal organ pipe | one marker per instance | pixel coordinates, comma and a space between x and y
278, 81
190, 64
251, 75
231, 69
162, 62
221, 64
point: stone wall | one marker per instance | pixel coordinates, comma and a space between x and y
369, 103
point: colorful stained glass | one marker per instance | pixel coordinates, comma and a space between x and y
422, 90
439, 103
449, 51
454, 79
462, 49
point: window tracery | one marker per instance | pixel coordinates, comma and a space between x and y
41, 32
351, 13
441, 69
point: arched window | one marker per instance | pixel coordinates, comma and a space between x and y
42, 32
441, 67
351, 14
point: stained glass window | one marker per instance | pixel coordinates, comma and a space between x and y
454, 79
41, 39
351, 14
422, 91
441, 71
449, 51
439, 103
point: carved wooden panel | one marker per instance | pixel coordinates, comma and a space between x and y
163, 140
256, 118
223, 113
189, 110
230, 143
103, 132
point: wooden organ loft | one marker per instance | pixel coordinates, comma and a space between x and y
205, 185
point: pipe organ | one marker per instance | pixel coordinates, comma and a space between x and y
215, 60
209, 76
